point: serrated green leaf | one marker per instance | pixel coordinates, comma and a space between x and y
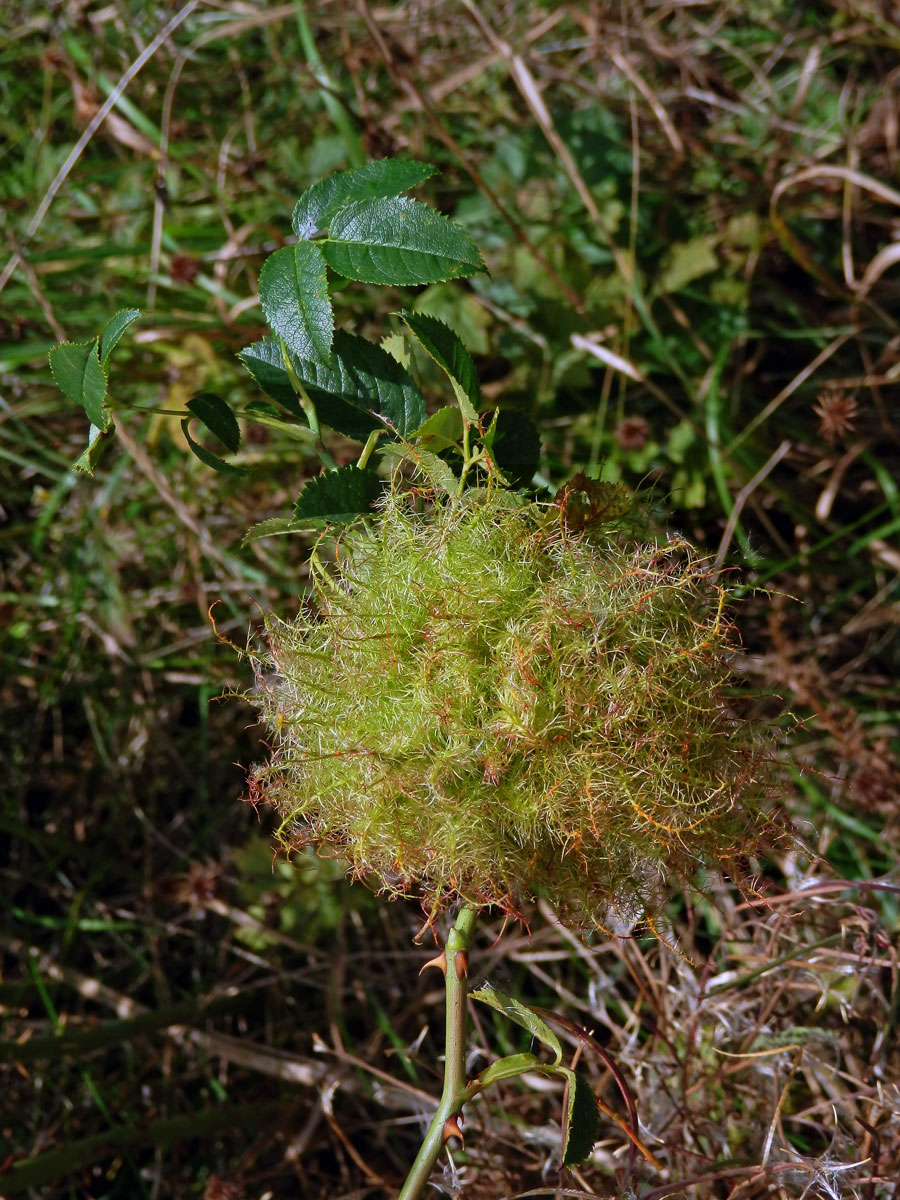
207, 457
98, 440
443, 430
399, 241
587, 503
265, 363
293, 291
115, 327
459, 309
513, 501
507, 1068
273, 527
76, 368
397, 347
435, 470
522, 1015
264, 409
389, 177
514, 444
339, 496
218, 418
581, 1121
451, 355
364, 383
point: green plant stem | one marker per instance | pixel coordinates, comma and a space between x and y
309, 410
469, 459
369, 447
454, 1093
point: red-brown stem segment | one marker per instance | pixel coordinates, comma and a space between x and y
449, 1110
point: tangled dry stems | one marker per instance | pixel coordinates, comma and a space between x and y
487, 704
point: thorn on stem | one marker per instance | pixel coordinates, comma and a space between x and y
440, 961
461, 962
453, 1129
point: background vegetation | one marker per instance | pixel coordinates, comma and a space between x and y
689, 210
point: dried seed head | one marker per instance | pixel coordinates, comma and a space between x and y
198, 886
492, 703
836, 412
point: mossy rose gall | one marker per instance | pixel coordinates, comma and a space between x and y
486, 704
488, 699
